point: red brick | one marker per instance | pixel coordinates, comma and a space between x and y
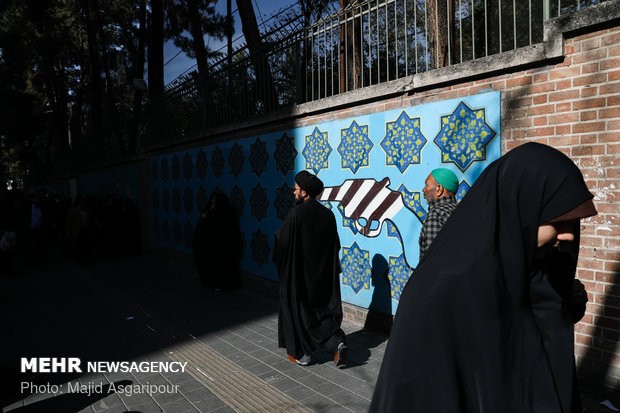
590, 79
589, 56
613, 125
609, 113
609, 89
612, 242
588, 127
540, 77
589, 103
613, 76
539, 100
614, 51
613, 100
588, 91
589, 115
542, 88
557, 96
613, 38
610, 64
519, 81
583, 339
563, 107
563, 118
564, 73
564, 140
540, 121
542, 131
591, 44
590, 68
562, 129
588, 139
541, 110
563, 84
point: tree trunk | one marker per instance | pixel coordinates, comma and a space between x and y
266, 89
156, 71
438, 40
95, 68
198, 36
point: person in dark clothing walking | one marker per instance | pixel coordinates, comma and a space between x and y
306, 252
484, 324
440, 187
216, 244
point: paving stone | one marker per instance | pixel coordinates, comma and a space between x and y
199, 395
209, 404
344, 397
106, 403
179, 406
300, 393
318, 403
147, 408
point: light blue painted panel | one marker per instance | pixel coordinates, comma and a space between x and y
392, 152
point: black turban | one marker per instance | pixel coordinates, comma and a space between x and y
309, 183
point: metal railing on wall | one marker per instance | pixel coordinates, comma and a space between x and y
367, 43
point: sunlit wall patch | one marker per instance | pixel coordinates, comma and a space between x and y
354, 147
356, 269
316, 151
403, 142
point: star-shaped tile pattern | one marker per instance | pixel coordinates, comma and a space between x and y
356, 268
413, 201
464, 136
260, 247
201, 164
326, 204
217, 162
188, 199
259, 202
201, 198
176, 200
285, 154
398, 275
392, 231
188, 166
403, 142
236, 160
237, 199
354, 147
258, 157
462, 190
317, 151
165, 199
284, 200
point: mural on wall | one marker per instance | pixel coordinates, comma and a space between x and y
373, 167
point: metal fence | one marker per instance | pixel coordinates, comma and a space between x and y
376, 41
367, 43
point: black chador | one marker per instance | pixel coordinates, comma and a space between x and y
484, 324
305, 252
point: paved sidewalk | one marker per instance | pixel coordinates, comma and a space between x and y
143, 310
140, 309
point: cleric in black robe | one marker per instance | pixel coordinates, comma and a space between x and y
484, 324
306, 252
216, 244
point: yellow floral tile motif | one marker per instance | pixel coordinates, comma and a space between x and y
413, 201
463, 188
398, 275
317, 151
464, 136
356, 269
403, 142
354, 147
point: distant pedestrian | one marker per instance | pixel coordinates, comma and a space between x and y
306, 254
439, 191
485, 323
216, 244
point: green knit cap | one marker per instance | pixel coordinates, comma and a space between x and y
446, 178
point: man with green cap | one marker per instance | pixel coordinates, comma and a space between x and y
441, 185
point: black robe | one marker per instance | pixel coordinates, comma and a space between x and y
305, 252
216, 244
481, 326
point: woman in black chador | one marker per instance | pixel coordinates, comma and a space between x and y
484, 324
217, 244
